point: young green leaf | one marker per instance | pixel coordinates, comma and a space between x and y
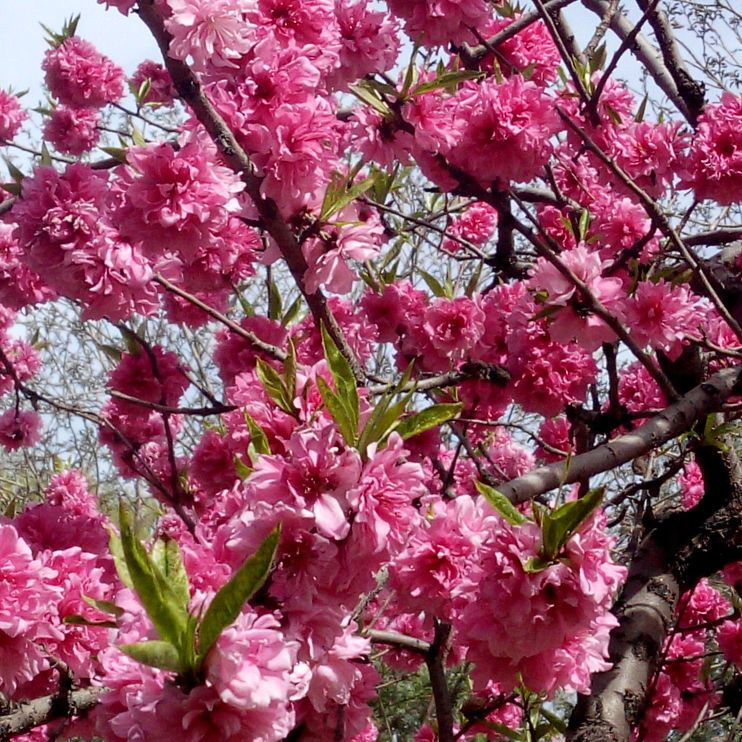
431, 417
274, 386
345, 381
228, 602
258, 440
167, 558
558, 526
159, 654
163, 606
338, 411
78, 620
501, 504
105, 606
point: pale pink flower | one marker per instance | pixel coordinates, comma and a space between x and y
691, 484
251, 665
78, 75
729, 637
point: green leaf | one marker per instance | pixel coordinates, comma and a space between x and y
118, 153
345, 381
431, 417
105, 606
501, 504
341, 192
228, 602
642, 109
559, 525
433, 283
242, 469
166, 556
77, 620
289, 369
117, 552
448, 80
159, 654
597, 60
536, 564
275, 306
338, 411
259, 445
369, 96
160, 601
274, 386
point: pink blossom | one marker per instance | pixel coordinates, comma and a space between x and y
251, 664
11, 116
19, 285
532, 50
179, 199
476, 225
651, 154
505, 130
72, 130
69, 489
357, 235
637, 390
574, 322
154, 376
715, 160
519, 618
555, 433
453, 325
19, 429
213, 33
78, 75
434, 22
369, 42
662, 315
28, 605
691, 484
729, 637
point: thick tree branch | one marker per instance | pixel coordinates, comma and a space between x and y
689, 90
436, 662
31, 714
644, 52
671, 422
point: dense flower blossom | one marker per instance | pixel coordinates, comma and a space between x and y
476, 225
19, 428
12, 116
556, 607
504, 130
27, 610
434, 22
355, 233
177, 199
79, 255
78, 75
574, 321
662, 315
715, 159
72, 130
213, 33
369, 42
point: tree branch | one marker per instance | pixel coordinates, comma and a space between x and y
671, 422
31, 714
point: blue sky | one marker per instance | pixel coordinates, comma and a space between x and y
22, 45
